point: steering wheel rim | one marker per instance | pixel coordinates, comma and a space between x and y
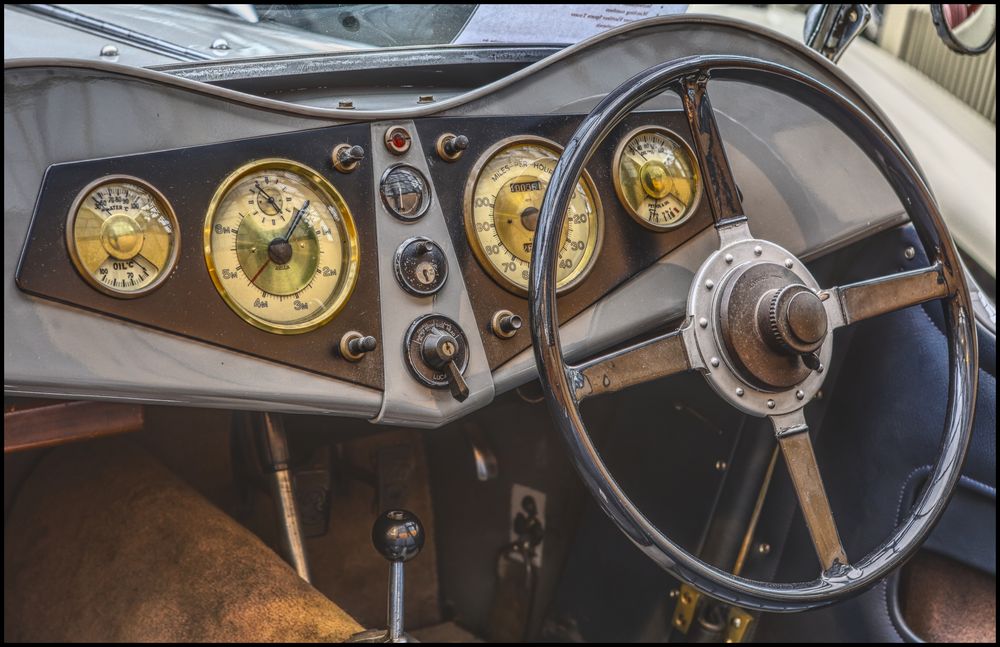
564, 386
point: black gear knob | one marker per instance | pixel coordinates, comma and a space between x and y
398, 535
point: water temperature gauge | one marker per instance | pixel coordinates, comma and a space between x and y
122, 236
656, 178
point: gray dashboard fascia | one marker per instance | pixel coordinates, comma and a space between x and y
58, 111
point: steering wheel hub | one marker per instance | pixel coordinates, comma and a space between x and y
759, 367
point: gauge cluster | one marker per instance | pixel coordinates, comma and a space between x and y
268, 246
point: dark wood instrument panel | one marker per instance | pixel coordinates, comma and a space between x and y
628, 246
187, 303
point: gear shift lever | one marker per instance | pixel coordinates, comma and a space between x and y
398, 536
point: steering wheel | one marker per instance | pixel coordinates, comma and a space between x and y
759, 328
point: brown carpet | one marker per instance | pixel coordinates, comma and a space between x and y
945, 601
104, 544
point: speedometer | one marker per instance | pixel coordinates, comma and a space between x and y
502, 202
281, 246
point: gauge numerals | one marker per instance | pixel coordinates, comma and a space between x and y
122, 236
503, 201
656, 178
281, 246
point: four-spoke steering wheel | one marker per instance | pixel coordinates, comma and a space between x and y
759, 328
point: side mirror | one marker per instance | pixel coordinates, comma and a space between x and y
966, 28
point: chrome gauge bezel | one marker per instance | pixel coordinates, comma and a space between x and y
469, 217
616, 178
166, 209
427, 197
329, 192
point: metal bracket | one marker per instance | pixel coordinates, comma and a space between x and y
687, 604
831, 28
737, 625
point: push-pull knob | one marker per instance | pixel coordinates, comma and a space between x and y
354, 345
398, 536
441, 351
450, 146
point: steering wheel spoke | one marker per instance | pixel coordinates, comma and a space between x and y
643, 362
720, 185
849, 304
792, 433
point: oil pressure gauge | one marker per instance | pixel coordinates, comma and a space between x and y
122, 236
656, 178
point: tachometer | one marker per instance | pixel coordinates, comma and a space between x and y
502, 203
122, 236
281, 246
656, 178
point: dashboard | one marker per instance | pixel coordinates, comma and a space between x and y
192, 243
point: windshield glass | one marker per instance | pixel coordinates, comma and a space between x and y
145, 35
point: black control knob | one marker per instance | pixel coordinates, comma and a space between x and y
398, 535
451, 146
354, 345
505, 324
346, 157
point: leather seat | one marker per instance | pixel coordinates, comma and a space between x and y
105, 544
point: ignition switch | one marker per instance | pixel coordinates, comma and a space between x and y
437, 353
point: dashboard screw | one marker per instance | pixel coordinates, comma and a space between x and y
758, 250
739, 391
909, 253
714, 362
788, 263
109, 51
763, 549
770, 404
345, 104
800, 394
729, 258
220, 44
709, 284
703, 322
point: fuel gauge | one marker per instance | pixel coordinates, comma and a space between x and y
656, 178
404, 192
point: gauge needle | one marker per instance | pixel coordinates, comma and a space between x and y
262, 268
295, 221
267, 195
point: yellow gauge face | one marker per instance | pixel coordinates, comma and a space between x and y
656, 178
122, 236
503, 200
281, 246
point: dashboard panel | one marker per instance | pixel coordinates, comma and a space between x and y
68, 123
193, 182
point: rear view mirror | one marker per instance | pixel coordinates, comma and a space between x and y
966, 28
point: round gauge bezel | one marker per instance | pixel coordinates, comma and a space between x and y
616, 178
470, 187
329, 192
165, 208
427, 193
